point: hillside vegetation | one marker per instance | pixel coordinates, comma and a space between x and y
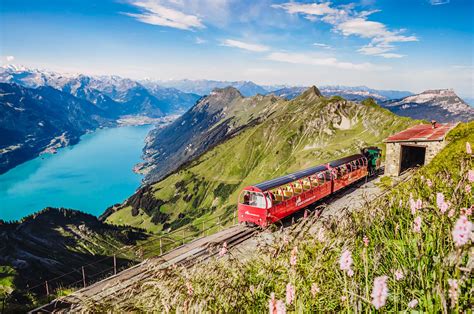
410, 250
56, 243
292, 135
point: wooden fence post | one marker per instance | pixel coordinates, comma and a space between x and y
47, 287
115, 265
83, 276
161, 247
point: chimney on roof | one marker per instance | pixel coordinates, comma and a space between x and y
433, 124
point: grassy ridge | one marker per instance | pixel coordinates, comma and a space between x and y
300, 133
421, 269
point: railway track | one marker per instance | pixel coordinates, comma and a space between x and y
186, 255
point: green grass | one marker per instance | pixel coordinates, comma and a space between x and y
427, 259
7, 277
300, 133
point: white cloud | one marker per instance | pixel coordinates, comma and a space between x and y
155, 13
345, 20
321, 45
438, 2
9, 58
301, 58
245, 46
200, 41
308, 9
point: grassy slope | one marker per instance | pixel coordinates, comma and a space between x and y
427, 259
54, 242
304, 132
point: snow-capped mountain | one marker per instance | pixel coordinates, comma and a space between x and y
442, 105
115, 95
204, 87
356, 93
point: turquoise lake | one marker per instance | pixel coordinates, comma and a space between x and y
89, 176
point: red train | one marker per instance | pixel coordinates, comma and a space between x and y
267, 202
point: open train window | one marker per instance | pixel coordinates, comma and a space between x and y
306, 184
277, 196
288, 191
298, 187
255, 199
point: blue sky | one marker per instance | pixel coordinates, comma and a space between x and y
405, 44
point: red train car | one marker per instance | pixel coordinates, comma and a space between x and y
267, 202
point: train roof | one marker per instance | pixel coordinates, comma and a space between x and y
270, 184
345, 160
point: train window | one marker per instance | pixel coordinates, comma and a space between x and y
314, 180
298, 188
306, 184
254, 199
288, 191
277, 196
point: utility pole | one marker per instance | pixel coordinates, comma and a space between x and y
115, 265
83, 276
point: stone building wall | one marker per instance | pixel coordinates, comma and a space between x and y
394, 153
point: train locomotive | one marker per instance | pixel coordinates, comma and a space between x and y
268, 202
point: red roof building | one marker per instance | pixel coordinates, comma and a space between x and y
422, 133
415, 146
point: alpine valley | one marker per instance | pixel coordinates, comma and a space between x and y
221, 136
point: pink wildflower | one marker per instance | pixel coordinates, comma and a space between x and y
453, 291
379, 292
285, 240
223, 250
417, 224
413, 303
399, 275
190, 288
451, 213
345, 261
462, 231
280, 307
366, 240
470, 175
272, 304
350, 273
468, 189
290, 293
439, 199
429, 183
293, 257
469, 210
468, 148
314, 289
412, 206
343, 298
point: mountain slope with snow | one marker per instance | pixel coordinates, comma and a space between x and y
442, 105
115, 95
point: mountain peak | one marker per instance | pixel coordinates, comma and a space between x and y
228, 92
310, 94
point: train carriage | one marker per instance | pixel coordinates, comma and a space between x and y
270, 201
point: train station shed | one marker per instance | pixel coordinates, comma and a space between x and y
415, 146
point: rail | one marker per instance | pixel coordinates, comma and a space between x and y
128, 256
